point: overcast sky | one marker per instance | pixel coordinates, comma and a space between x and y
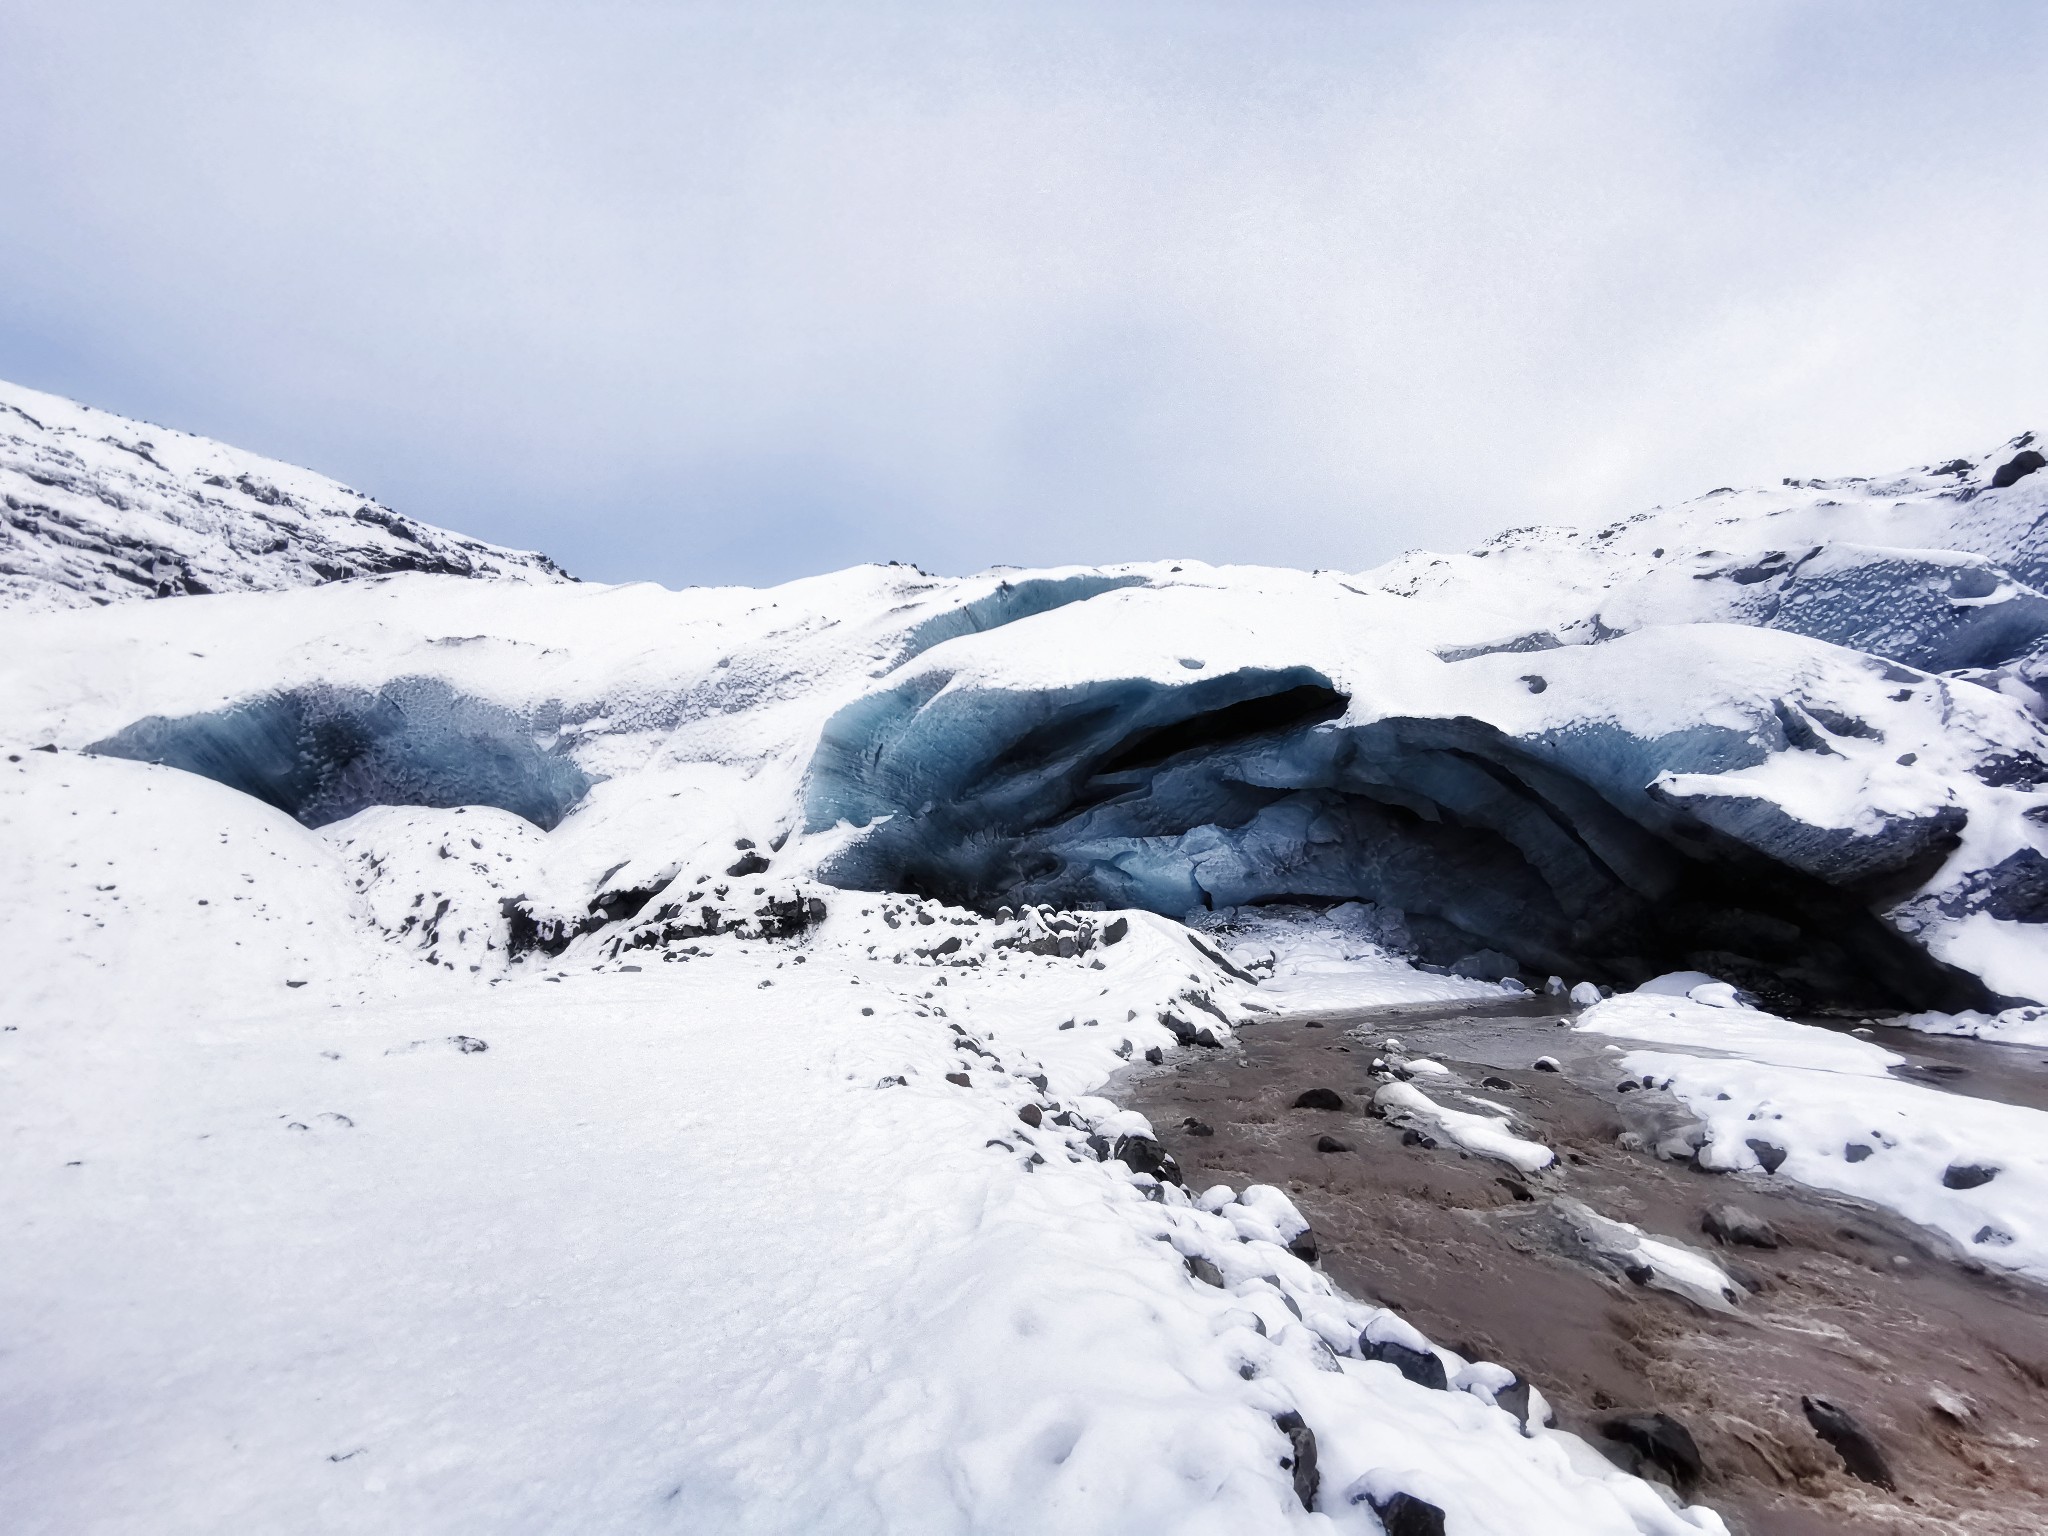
740, 292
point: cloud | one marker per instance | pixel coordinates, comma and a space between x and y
744, 292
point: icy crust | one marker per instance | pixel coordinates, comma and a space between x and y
96, 508
827, 1231
1795, 1101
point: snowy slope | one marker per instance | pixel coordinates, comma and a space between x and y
522, 1055
101, 509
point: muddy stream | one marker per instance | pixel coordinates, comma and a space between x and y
1943, 1364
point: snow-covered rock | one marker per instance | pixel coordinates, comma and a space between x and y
96, 508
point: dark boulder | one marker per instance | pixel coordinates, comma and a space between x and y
1732, 1224
2017, 468
1141, 1154
1301, 1460
1421, 1366
1319, 1098
1852, 1442
1967, 1175
1661, 1441
1406, 1515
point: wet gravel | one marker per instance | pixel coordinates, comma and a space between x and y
1943, 1365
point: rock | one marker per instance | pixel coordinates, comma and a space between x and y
1141, 1154
1421, 1366
469, 1045
1031, 1115
1771, 1156
1732, 1224
1303, 1246
1406, 1515
1852, 1442
1967, 1175
959, 1079
1855, 1152
1331, 1144
1114, 932
1514, 1397
1515, 1187
1155, 1056
1301, 1441
1660, 1440
1414, 1138
1585, 995
2017, 468
1195, 1127
1319, 1098
1204, 1271
1547, 1064
749, 863
1498, 1084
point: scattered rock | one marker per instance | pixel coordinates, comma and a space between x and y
1113, 933
1769, 1155
1514, 1397
1498, 1084
1303, 1246
1967, 1175
1319, 1098
1855, 1152
1155, 1056
1205, 1271
1851, 1441
1301, 1442
2017, 468
1732, 1224
1331, 1144
1660, 1440
1141, 1154
750, 863
1031, 1115
1406, 1515
1195, 1127
1421, 1366
1414, 1138
1547, 1064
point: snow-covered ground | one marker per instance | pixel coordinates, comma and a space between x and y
469, 1071
307, 1233
1820, 1106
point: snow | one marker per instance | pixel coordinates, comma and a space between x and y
404, 1247
505, 1083
1818, 1096
2014, 1026
1485, 1135
100, 509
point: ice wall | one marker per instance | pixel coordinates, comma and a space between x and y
324, 753
1247, 788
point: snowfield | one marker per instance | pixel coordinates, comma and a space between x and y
492, 1053
752, 1239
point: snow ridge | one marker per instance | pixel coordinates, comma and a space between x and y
96, 508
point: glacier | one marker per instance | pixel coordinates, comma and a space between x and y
693, 969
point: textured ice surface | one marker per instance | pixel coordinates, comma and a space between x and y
321, 753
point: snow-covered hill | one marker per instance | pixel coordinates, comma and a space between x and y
100, 509
520, 1055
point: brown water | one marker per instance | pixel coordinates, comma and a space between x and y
1857, 1306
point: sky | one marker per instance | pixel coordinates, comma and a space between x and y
739, 293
